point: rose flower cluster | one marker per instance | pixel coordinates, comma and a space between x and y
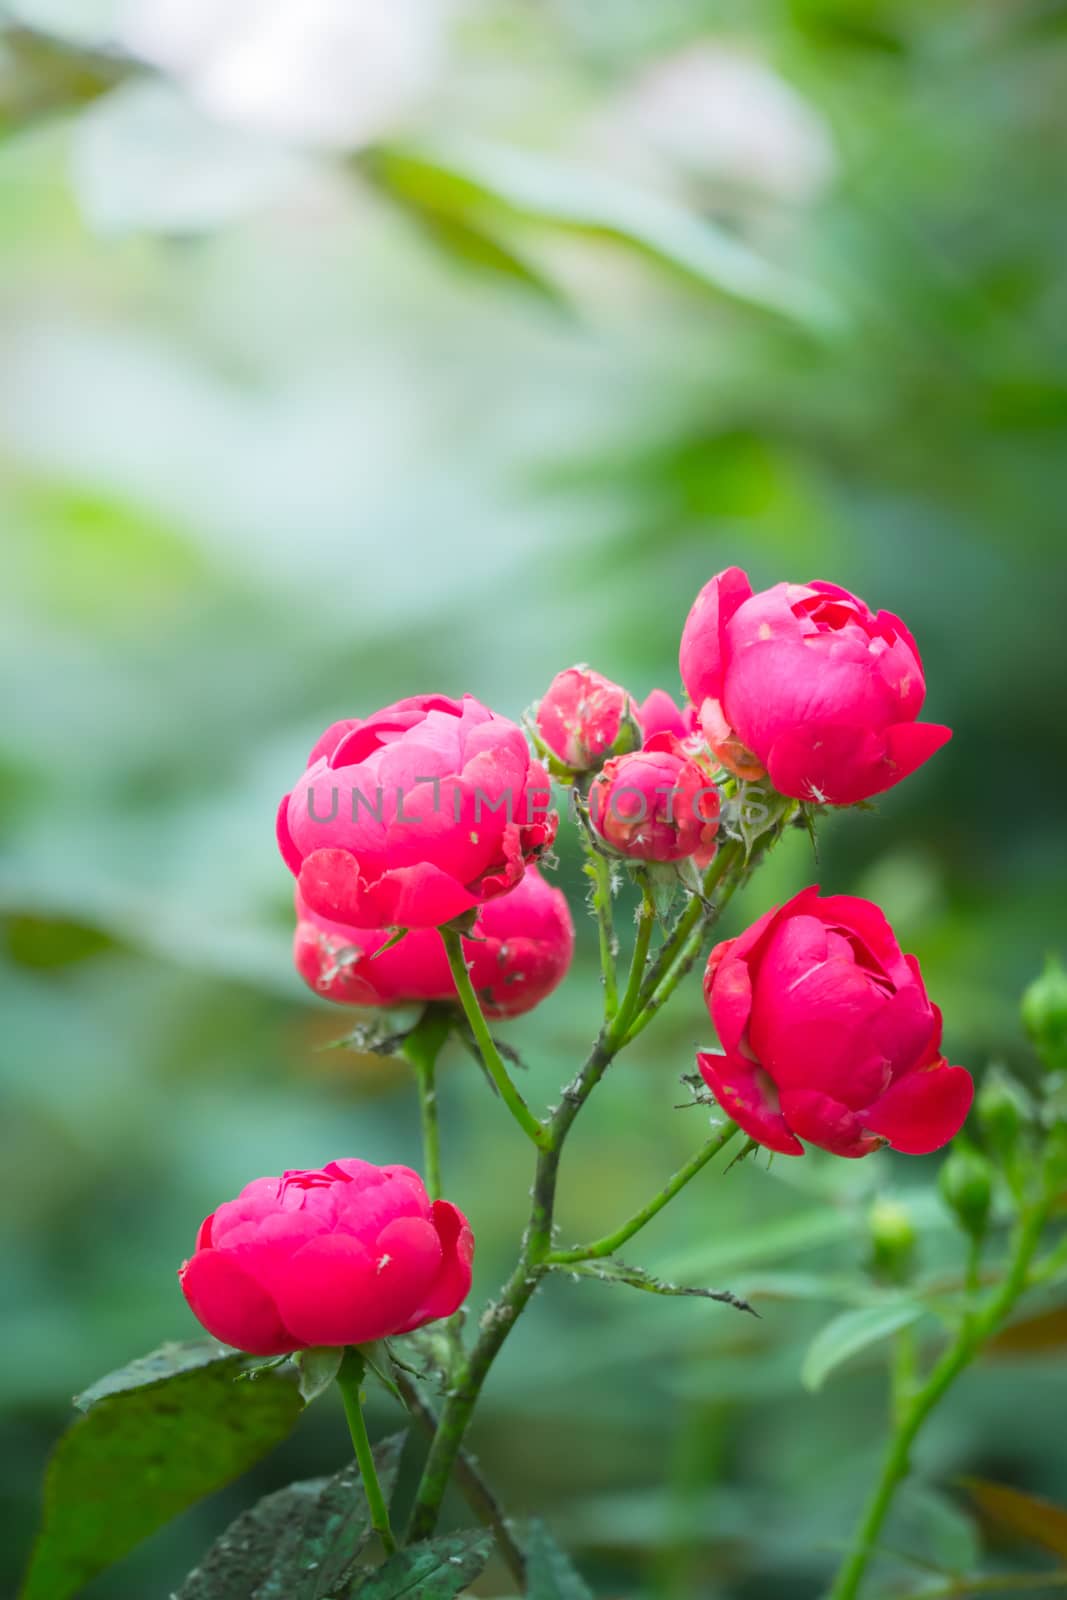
432, 814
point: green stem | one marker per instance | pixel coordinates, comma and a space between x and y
422, 1047
476, 1491
612, 1241
349, 1381
692, 920
955, 1360
729, 872
533, 1263
599, 869
494, 1064
646, 921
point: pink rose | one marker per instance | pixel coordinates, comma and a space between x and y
342, 1256
581, 716
415, 815
520, 950
802, 680
660, 714
656, 804
828, 1034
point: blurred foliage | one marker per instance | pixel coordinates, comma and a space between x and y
288, 431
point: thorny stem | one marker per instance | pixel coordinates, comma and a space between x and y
534, 1258
612, 1241
476, 1491
422, 1047
973, 1333
349, 1381
729, 872
599, 869
494, 1064
646, 921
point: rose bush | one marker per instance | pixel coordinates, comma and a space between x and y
828, 1034
519, 951
415, 815
804, 682
344, 1255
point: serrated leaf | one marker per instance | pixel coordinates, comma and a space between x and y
852, 1332
437, 1569
241, 1559
549, 1573
318, 1367
1031, 1518
301, 1543
156, 1437
611, 1270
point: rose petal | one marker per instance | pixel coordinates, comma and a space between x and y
745, 1092
923, 1110
234, 1307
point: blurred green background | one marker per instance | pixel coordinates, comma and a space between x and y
352, 351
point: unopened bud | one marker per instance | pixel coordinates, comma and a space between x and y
966, 1183
893, 1240
1044, 1014
1002, 1110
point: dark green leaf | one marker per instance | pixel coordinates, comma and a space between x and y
549, 1573
156, 1437
301, 1543
242, 1559
435, 1570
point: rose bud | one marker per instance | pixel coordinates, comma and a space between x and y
583, 717
343, 1256
966, 1184
518, 952
416, 815
828, 1034
656, 804
660, 714
806, 683
1044, 1014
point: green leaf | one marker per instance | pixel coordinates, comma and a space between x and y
852, 1332
41, 76
318, 1368
475, 244
611, 1270
301, 1543
378, 1357
1030, 1518
549, 1573
156, 1436
467, 180
435, 1570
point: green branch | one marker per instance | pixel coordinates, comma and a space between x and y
349, 1381
975, 1331
613, 1241
598, 868
422, 1046
494, 1063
